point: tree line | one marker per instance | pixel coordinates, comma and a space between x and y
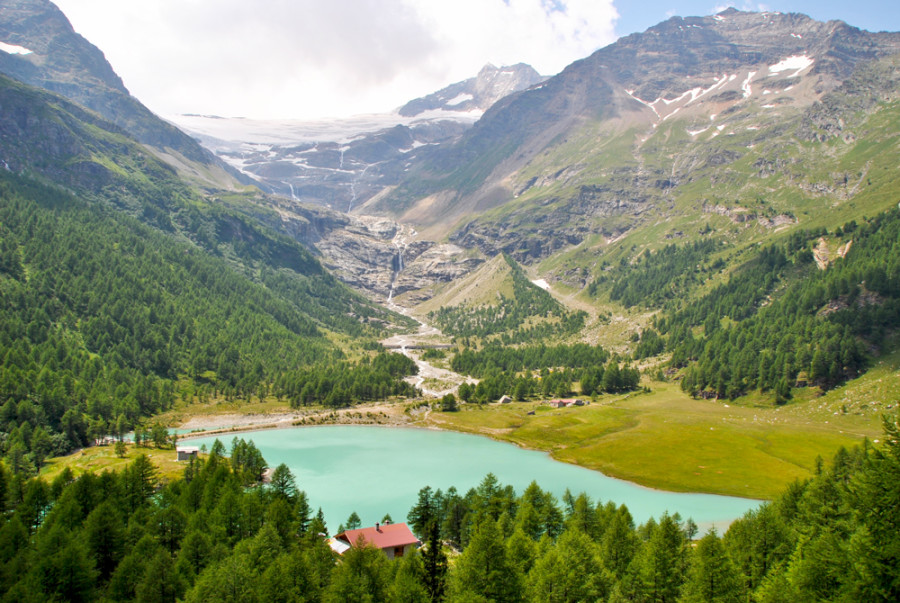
529, 315
656, 279
339, 385
511, 371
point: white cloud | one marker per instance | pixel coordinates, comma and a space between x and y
308, 58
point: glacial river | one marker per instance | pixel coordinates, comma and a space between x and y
376, 470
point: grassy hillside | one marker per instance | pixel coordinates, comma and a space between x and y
499, 303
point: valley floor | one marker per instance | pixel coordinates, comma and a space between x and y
662, 439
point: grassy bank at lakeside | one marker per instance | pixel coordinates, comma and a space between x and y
97, 459
664, 439
661, 439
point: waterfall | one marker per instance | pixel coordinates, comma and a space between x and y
353, 186
399, 241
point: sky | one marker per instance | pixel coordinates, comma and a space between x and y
312, 59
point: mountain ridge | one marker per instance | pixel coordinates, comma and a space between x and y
477, 93
618, 85
64, 62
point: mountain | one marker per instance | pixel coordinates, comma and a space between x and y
478, 93
54, 57
340, 163
119, 279
624, 131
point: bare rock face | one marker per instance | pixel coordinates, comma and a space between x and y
477, 93
438, 263
376, 256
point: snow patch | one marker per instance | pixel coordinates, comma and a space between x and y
542, 284
720, 128
797, 63
643, 102
719, 18
685, 98
746, 85
459, 99
13, 49
753, 128
677, 109
768, 106
696, 132
798, 36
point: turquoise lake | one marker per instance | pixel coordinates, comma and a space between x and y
378, 470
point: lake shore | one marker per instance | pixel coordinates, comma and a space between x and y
389, 414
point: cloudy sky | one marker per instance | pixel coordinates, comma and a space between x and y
327, 58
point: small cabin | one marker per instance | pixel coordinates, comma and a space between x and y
566, 402
185, 453
505, 400
395, 539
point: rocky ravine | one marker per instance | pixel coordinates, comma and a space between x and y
376, 256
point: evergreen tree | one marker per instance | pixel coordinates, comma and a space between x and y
483, 571
661, 562
712, 577
363, 575
434, 561
569, 571
105, 533
409, 585
283, 483
161, 583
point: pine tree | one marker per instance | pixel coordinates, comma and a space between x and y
662, 562
712, 577
483, 569
434, 561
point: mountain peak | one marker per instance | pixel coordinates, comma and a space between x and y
476, 94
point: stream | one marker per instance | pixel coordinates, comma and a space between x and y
427, 336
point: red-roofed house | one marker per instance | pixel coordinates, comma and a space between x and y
395, 539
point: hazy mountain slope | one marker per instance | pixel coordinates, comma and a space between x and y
341, 163
64, 62
601, 123
46, 136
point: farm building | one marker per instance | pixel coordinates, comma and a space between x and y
566, 402
186, 452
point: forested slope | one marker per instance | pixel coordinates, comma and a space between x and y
121, 285
126, 537
515, 310
781, 321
